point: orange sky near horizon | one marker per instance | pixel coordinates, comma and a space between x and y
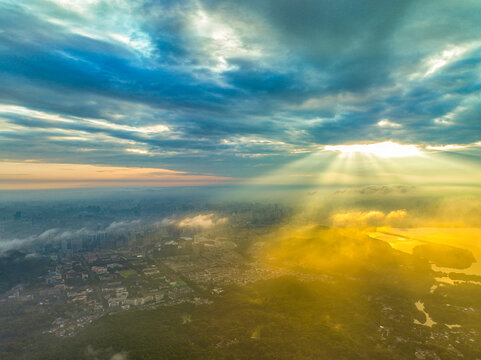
30, 175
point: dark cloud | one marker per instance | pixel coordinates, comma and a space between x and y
233, 81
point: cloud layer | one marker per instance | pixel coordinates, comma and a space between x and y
200, 221
220, 87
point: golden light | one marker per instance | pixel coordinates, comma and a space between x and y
387, 149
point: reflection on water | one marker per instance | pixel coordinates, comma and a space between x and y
429, 322
465, 238
472, 270
445, 280
398, 242
453, 326
405, 239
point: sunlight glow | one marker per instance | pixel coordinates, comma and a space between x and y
443, 59
387, 149
447, 147
221, 41
385, 123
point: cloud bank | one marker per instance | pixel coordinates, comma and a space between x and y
203, 221
221, 87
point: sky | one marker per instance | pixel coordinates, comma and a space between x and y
169, 93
